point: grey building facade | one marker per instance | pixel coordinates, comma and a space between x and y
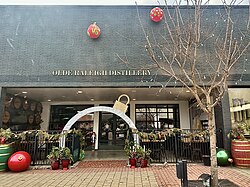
47, 48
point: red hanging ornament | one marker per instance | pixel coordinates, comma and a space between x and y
94, 31
19, 161
2, 140
156, 14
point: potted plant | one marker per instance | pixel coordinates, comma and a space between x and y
238, 131
240, 144
66, 157
6, 147
54, 157
144, 157
130, 149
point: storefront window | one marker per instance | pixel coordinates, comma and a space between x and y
61, 114
239, 105
21, 113
157, 117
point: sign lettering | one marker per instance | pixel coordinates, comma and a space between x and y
143, 72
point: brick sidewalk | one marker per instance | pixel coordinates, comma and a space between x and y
118, 175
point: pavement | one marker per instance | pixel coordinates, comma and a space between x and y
115, 174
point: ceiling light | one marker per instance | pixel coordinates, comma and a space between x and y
187, 91
133, 99
79, 92
49, 100
24, 92
91, 99
133, 91
69, 107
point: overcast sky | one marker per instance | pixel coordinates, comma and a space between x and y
100, 2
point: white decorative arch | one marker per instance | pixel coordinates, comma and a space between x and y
91, 110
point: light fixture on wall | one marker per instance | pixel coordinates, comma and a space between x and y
25, 99
79, 92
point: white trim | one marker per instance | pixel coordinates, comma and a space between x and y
240, 108
91, 110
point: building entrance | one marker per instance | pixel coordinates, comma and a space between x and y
112, 131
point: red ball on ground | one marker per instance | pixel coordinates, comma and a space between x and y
19, 161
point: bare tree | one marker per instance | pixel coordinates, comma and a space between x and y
199, 54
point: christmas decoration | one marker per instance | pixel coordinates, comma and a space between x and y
5, 152
162, 135
222, 157
19, 161
156, 14
3, 140
230, 160
94, 31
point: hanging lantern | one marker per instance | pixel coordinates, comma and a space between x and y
94, 31
156, 14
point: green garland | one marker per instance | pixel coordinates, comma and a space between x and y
12, 137
162, 135
43, 135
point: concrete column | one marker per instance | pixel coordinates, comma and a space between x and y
45, 116
132, 117
2, 100
96, 128
227, 124
219, 125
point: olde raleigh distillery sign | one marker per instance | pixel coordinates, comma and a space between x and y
143, 72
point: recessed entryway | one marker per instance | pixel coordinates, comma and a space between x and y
105, 155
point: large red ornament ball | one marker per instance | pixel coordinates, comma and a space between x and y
19, 161
94, 31
156, 14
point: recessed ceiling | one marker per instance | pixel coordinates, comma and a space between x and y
100, 94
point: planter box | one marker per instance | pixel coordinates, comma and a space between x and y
241, 153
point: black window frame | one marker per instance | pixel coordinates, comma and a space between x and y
170, 111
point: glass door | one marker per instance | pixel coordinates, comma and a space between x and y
112, 131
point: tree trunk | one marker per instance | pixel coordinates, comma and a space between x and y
214, 167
